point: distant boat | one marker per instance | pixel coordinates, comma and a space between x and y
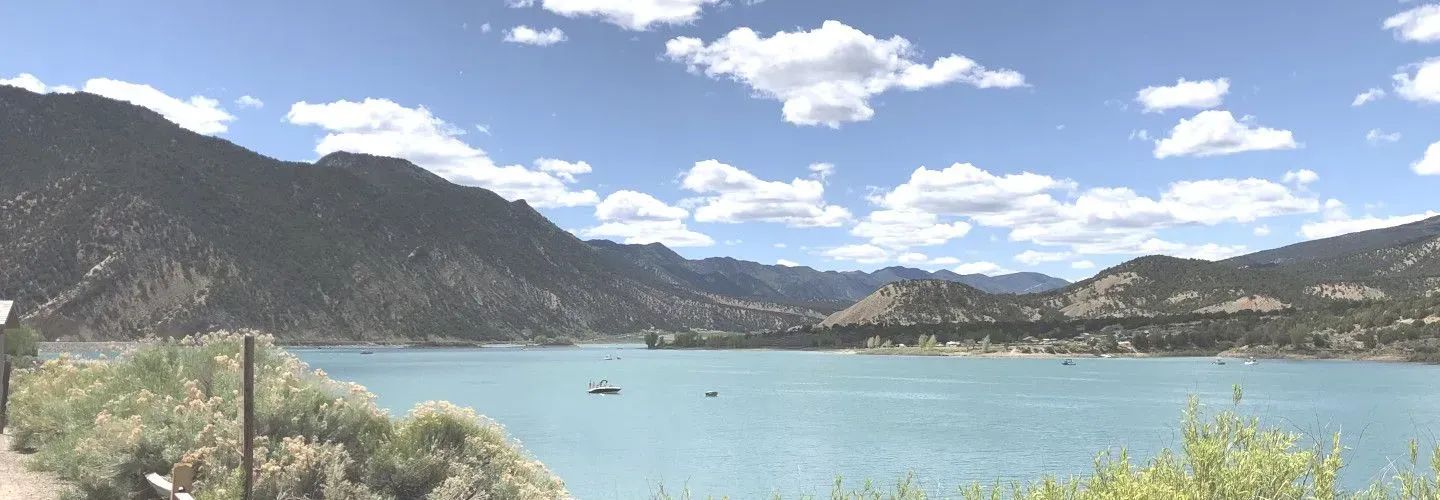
1068, 362
712, 394
1106, 356
1219, 361
603, 387
367, 352
1251, 361
608, 357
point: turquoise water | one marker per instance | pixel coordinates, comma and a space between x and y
789, 422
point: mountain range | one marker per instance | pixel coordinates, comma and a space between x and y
1388, 263
116, 223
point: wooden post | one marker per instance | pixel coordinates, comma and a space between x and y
4, 379
247, 457
182, 479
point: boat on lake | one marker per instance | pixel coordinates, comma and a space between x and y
1068, 362
367, 352
712, 394
603, 387
1251, 361
1219, 361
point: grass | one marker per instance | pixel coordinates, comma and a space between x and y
1225, 456
102, 425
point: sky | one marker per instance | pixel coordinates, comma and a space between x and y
983, 136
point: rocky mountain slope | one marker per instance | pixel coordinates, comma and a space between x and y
933, 301
801, 285
115, 223
1391, 263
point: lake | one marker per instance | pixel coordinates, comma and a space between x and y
790, 422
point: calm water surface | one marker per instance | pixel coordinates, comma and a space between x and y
789, 422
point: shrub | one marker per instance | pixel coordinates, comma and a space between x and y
103, 424
22, 341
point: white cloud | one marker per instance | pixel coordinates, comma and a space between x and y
864, 254
635, 217
519, 4
822, 171
251, 102
827, 76
382, 127
1368, 96
901, 229
786, 263
1261, 230
1424, 85
1430, 163
1082, 264
636, 206
634, 15
485, 28
733, 195
1301, 177
32, 83
1215, 132
1184, 94
1102, 220
1337, 221
1140, 135
198, 113
1420, 24
1033, 257
530, 36
982, 267
1377, 136
565, 170
780, 245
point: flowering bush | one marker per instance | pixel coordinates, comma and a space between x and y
103, 424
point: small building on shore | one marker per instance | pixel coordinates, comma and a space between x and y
9, 315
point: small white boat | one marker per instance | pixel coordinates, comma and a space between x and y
1068, 362
1251, 361
1219, 361
608, 357
603, 387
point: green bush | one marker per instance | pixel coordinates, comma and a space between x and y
103, 424
22, 341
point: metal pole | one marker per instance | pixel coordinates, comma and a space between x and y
247, 457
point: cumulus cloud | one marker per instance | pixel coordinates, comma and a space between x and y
634, 15
1368, 96
822, 171
1034, 257
1430, 163
383, 127
530, 36
982, 267
1300, 177
1337, 221
198, 114
826, 76
1184, 94
1262, 230
864, 254
1377, 136
1423, 85
732, 195
1420, 24
901, 229
251, 102
32, 83
1214, 132
638, 218
1104, 220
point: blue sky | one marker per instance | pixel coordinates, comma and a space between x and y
792, 130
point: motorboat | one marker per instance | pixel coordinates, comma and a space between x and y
1219, 361
367, 352
711, 394
1251, 361
603, 387
1068, 362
